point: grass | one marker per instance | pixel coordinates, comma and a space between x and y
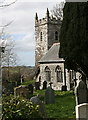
27, 82
64, 106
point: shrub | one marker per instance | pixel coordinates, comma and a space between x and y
15, 108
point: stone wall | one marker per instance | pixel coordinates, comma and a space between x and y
56, 85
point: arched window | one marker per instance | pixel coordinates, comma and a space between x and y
41, 36
58, 74
48, 73
56, 36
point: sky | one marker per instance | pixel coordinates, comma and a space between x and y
21, 14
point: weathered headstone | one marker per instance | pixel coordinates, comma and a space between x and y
37, 85
64, 88
44, 85
21, 91
80, 92
30, 87
49, 96
36, 100
82, 111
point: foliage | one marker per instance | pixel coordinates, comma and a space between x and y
27, 82
15, 75
74, 36
15, 108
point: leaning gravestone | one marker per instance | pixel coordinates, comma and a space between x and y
49, 96
37, 101
81, 92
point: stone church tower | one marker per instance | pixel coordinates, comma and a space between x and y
46, 33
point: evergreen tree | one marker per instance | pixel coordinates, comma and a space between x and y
74, 36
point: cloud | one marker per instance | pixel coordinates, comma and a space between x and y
26, 43
22, 13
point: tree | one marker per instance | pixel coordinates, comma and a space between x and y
57, 10
8, 57
1, 5
74, 36
4, 4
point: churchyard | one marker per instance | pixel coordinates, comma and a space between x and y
54, 103
63, 106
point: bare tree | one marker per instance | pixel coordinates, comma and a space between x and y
2, 37
4, 4
57, 10
8, 57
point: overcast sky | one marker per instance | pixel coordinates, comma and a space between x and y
22, 30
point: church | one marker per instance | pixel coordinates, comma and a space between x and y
47, 58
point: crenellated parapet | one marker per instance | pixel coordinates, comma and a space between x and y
47, 20
47, 32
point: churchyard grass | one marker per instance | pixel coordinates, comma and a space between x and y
64, 106
27, 82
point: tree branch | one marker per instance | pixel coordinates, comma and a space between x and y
6, 5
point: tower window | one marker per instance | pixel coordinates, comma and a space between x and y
56, 35
41, 36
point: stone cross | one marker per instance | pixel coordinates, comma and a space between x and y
80, 92
49, 96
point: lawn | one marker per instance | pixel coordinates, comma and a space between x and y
64, 106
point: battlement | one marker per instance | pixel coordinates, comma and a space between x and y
46, 20
47, 32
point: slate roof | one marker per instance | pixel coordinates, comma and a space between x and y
52, 55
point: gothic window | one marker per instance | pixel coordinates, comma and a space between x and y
41, 36
56, 36
48, 73
59, 74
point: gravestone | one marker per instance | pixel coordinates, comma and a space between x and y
44, 85
21, 91
82, 111
80, 92
64, 88
36, 100
37, 85
30, 87
49, 96
22, 79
